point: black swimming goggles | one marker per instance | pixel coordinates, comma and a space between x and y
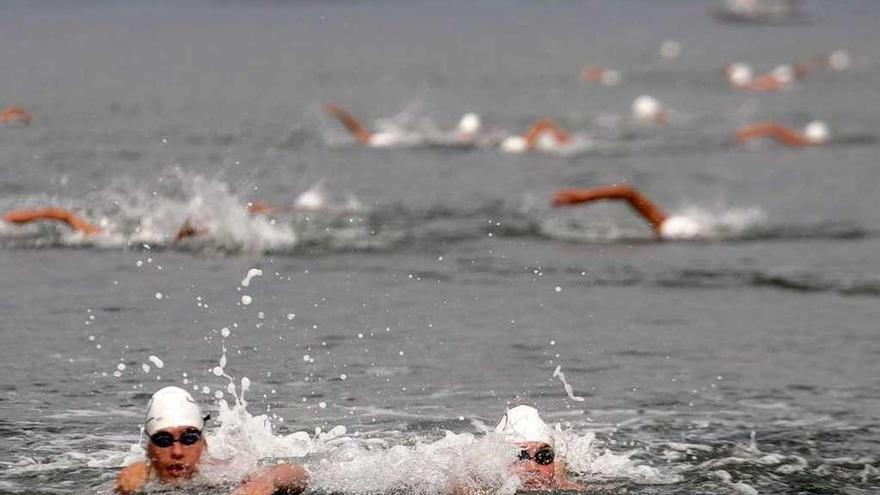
543, 457
164, 439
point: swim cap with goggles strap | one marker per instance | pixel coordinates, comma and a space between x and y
170, 407
523, 424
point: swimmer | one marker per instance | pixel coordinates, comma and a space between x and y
16, 115
546, 136
648, 110
78, 224
538, 465
466, 133
28, 215
741, 76
176, 448
815, 133
664, 226
601, 75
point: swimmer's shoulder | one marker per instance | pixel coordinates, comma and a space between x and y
132, 478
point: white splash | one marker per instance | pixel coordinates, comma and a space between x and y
569, 390
253, 272
156, 361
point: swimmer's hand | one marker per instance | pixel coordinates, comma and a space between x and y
288, 479
132, 478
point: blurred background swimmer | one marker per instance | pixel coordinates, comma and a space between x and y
648, 111
742, 77
666, 227
176, 449
546, 136
813, 134
464, 135
15, 114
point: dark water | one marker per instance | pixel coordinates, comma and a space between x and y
739, 363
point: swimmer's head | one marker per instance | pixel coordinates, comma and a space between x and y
839, 60
174, 424
646, 108
817, 132
536, 460
312, 199
523, 424
679, 227
739, 73
783, 73
470, 123
514, 144
172, 406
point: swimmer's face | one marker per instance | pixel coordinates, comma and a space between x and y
178, 461
536, 466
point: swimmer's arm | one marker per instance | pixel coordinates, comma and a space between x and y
288, 479
354, 126
132, 478
28, 215
562, 481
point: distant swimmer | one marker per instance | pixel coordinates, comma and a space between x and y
546, 136
538, 465
665, 226
16, 115
742, 77
29, 215
466, 133
815, 133
601, 75
177, 448
647, 110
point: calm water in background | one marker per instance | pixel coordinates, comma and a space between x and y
456, 290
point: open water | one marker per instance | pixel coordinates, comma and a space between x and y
437, 286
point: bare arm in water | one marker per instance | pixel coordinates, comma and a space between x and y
542, 126
354, 126
648, 210
288, 479
772, 130
28, 215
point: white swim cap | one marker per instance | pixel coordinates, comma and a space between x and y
646, 107
670, 49
311, 199
816, 132
680, 227
783, 73
514, 144
470, 123
385, 139
523, 424
172, 406
739, 73
610, 77
839, 60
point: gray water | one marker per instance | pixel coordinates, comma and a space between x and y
744, 362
